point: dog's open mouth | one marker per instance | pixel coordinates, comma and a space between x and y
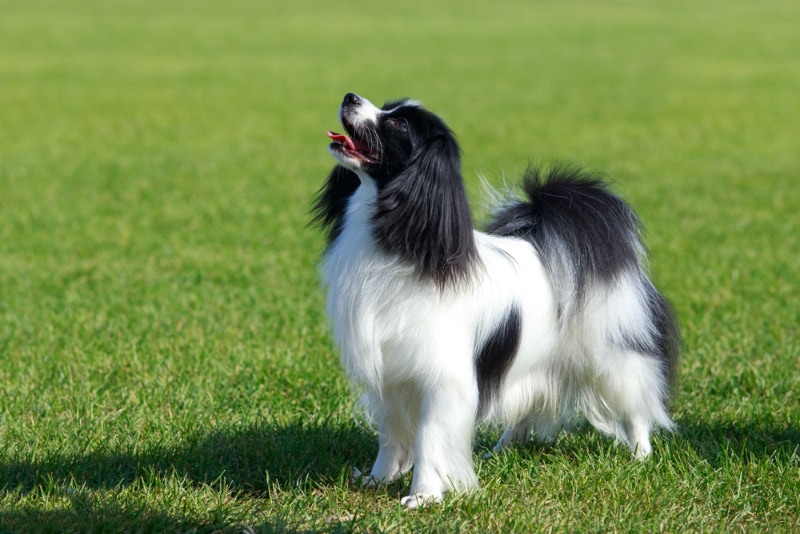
353, 147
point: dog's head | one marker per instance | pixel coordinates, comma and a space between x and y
421, 213
385, 142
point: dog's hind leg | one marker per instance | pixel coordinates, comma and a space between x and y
396, 439
634, 392
544, 426
394, 459
638, 434
517, 433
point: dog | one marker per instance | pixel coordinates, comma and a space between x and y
545, 314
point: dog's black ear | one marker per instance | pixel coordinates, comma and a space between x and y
423, 214
330, 202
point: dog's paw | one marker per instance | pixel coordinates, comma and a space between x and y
366, 481
355, 476
418, 500
641, 451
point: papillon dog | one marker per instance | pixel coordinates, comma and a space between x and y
546, 314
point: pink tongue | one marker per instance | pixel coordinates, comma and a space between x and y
339, 138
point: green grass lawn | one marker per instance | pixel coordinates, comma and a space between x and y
164, 358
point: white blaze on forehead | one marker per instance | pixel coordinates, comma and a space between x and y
404, 104
366, 111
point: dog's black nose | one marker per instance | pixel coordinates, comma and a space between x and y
351, 99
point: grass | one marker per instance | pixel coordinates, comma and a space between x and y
164, 359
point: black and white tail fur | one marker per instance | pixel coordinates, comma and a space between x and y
546, 314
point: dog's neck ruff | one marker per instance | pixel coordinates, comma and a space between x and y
360, 278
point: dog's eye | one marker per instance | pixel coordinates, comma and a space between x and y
400, 124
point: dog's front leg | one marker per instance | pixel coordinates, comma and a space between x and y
394, 450
443, 445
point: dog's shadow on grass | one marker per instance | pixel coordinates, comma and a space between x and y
255, 460
265, 457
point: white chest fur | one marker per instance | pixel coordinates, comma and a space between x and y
359, 280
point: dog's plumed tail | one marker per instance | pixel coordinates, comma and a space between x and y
589, 241
584, 233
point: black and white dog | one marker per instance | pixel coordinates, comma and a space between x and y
546, 314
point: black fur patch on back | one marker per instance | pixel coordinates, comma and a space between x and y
495, 357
